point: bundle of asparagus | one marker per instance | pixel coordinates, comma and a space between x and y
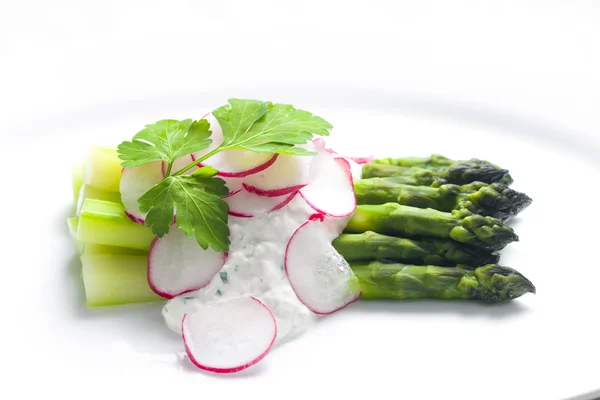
432, 228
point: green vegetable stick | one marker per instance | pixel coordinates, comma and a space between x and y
433, 161
459, 172
490, 283
102, 169
427, 251
116, 279
495, 200
91, 192
103, 222
72, 224
94, 248
76, 181
462, 226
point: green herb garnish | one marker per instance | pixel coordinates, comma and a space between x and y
224, 277
252, 125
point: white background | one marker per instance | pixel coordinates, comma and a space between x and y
535, 61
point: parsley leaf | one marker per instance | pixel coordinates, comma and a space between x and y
265, 127
165, 140
201, 212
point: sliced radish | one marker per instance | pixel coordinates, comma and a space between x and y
331, 190
177, 265
232, 163
246, 204
235, 185
288, 174
320, 276
136, 181
320, 144
229, 336
358, 160
240, 163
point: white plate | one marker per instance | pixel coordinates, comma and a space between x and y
538, 346
513, 82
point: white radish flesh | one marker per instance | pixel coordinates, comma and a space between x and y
177, 264
287, 174
320, 276
246, 204
232, 163
178, 164
136, 181
331, 189
229, 336
235, 185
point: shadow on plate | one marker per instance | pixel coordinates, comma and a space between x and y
465, 308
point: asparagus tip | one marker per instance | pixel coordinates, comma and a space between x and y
494, 283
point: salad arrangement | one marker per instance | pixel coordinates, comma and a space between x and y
247, 226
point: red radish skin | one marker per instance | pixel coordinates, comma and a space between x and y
135, 219
245, 204
288, 174
210, 268
320, 144
285, 202
243, 174
272, 193
358, 160
316, 218
233, 369
345, 165
235, 185
263, 161
233, 193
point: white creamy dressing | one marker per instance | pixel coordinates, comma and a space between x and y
255, 266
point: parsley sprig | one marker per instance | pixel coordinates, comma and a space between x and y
197, 199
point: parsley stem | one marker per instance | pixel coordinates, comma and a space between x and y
169, 169
198, 161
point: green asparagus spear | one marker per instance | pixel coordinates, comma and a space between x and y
437, 170
415, 175
461, 225
489, 283
428, 251
433, 161
495, 200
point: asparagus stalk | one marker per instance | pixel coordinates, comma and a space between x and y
462, 226
495, 200
427, 251
433, 161
489, 283
437, 170
413, 175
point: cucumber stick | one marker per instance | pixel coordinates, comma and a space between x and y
94, 248
102, 169
105, 222
116, 279
72, 224
76, 181
91, 192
